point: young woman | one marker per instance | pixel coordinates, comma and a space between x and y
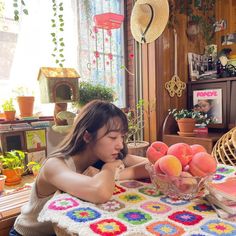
88, 162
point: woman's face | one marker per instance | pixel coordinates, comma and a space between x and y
204, 105
107, 146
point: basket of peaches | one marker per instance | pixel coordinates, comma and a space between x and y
180, 171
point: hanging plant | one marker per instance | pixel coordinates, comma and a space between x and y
57, 22
199, 12
19, 5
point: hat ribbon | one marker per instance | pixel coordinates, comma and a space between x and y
148, 26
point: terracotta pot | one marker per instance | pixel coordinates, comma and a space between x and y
186, 125
10, 115
13, 176
2, 182
138, 149
26, 105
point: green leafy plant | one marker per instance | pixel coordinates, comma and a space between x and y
135, 118
57, 23
89, 92
12, 160
199, 12
135, 122
200, 117
8, 105
19, 5
34, 166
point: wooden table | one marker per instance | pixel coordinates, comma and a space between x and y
138, 209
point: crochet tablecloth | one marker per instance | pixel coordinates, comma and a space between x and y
137, 208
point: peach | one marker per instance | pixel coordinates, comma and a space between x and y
197, 148
187, 183
182, 151
156, 151
202, 164
170, 165
157, 168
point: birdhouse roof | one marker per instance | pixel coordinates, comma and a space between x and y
51, 72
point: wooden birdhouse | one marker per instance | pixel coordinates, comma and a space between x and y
58, 85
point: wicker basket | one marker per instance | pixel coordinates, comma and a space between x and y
224, 150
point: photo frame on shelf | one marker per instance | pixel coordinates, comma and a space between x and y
212, 95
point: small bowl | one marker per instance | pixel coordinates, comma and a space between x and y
180, 187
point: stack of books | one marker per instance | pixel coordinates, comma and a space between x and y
222, 197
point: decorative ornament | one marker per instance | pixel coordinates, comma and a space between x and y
175, 86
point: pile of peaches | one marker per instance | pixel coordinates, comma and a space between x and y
180, 170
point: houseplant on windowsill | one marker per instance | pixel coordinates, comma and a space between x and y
135, 144
12, 165
9, 109
25, 99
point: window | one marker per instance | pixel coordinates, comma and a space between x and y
26, 46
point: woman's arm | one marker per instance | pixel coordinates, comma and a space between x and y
55, 174
135, 168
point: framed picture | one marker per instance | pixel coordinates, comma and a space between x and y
35, 140
211, 99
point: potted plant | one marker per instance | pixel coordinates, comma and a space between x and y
89, 91
12, 165
134, 140
9, 109
25, 101
186, 120
34, 166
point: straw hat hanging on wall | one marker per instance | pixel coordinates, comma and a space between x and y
149, 19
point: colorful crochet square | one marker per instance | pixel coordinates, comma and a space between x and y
111, 206
185, 217
150, 191
218, 227
132, 197
155, 207
161, 228
63, 204
118, 190
83, 214
225, 170
131, 184
135, 217
108, 227
218, 177
174, 202
202, 208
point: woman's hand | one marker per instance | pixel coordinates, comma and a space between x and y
113, 166
91, 171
